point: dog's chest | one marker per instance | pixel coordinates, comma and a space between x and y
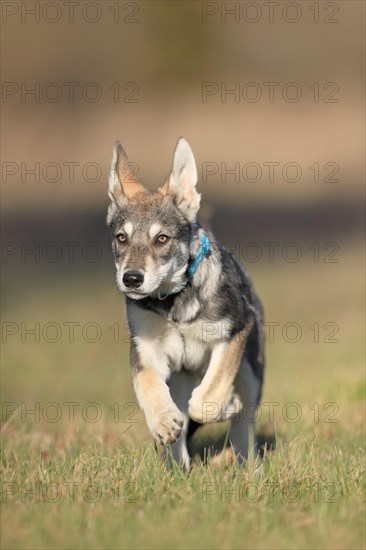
197, 349
176, 338
191, 327
165, 343
185, 344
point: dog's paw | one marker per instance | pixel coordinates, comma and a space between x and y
212, 408
167, 428
201, 409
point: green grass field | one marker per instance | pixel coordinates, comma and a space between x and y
85, 475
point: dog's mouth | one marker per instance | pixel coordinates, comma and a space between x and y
160, 288
136, 294
158, 293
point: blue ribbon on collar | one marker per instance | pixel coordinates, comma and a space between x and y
202, 252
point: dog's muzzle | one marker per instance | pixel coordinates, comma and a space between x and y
133, 279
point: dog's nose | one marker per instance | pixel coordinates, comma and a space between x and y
133, 279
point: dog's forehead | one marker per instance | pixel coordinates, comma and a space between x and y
146, 215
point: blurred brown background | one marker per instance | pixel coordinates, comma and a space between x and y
164, 53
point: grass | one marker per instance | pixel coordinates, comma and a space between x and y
100, 484
123, 498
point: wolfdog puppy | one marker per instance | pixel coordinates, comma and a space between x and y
196, 322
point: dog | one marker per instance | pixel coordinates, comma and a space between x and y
196, 323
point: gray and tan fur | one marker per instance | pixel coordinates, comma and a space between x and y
197, 342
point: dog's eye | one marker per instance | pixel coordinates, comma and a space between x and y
162, 239
121, 237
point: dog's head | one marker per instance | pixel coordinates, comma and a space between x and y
151, 232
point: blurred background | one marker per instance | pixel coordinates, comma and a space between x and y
270, 98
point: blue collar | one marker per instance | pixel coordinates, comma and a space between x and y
203, 251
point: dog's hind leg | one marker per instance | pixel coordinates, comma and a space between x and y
181, 386
242, 434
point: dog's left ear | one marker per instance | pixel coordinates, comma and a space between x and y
181, 185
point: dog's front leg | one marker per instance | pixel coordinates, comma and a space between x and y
211, 399
152, 335
164, 419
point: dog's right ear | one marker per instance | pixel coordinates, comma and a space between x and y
122, 182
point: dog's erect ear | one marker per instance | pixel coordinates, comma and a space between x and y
123, 184
181, 185
122, 180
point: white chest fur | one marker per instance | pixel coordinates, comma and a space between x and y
167, 346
